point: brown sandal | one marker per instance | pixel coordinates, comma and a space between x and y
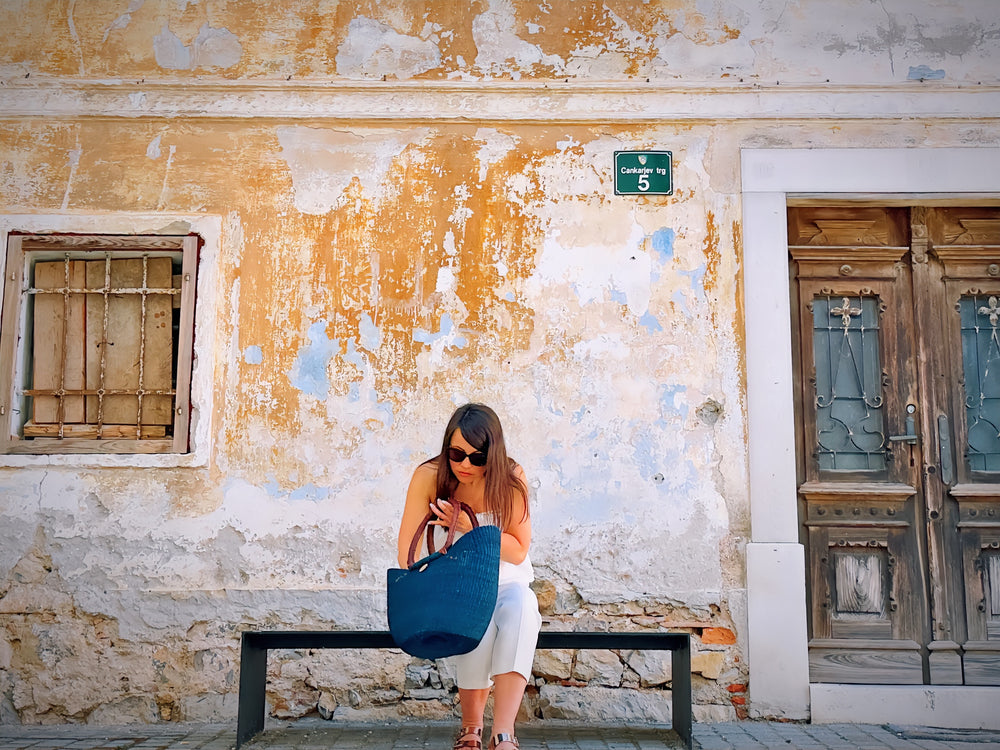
469, 738
501, 737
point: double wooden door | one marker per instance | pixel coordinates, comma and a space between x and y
897, 323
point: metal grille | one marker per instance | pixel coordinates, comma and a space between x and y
83, 307
981, 367
849, 400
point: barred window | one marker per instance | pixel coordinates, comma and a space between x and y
96, 343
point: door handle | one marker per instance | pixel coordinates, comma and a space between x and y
944, 450
911, 435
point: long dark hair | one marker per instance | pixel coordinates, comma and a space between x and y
481, 429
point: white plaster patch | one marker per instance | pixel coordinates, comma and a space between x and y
375, 50
703, 50
449, 244
461, 213
625, 273
212, 48
446, 281
324, 162
13, 71
499, 48
495, 145
448, 337
124, 19
153, 149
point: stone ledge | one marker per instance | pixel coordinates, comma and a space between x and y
489, 101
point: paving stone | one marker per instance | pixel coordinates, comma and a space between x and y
309, 734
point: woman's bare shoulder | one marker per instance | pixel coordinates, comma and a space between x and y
426, 472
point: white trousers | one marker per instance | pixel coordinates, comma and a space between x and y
509, 642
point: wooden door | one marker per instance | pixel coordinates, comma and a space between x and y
896, 316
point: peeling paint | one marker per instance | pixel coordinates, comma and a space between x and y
924, 73
498, 43
122, 21
323, 163
593, 272
212, 48
374, 50
309, 374
253, 355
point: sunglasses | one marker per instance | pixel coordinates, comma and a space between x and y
476, 458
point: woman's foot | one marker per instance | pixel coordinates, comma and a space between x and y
469, 738
503, 741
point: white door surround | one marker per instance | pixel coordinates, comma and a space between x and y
777, 636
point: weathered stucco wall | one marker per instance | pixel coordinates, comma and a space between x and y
372, 273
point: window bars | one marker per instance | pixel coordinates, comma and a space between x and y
116, 389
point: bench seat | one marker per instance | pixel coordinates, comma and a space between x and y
256, 643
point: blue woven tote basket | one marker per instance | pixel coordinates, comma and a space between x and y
441, 605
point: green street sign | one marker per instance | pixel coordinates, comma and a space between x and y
643, 173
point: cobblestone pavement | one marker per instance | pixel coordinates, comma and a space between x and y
318, 735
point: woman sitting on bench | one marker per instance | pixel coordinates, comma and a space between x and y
473, 468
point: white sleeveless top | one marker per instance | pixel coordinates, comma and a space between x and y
522, 572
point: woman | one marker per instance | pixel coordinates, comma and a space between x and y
473, 468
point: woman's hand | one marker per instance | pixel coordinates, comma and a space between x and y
442, 511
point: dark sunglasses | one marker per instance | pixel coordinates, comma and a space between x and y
477, 458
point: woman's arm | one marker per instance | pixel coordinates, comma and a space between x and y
516, 538
419, 495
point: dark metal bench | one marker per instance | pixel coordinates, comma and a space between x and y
255, 645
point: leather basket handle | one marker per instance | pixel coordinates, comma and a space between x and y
456, 508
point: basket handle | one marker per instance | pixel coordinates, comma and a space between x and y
456, 508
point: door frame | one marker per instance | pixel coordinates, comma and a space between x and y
776, 595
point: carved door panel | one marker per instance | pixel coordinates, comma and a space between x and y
963, 249
899, 441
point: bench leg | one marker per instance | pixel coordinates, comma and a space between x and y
681, 689
253, 684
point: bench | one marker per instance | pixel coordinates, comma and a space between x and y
255, 645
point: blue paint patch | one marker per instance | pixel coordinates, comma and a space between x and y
697, 276
593, 508
663, 243
273, 489
310, 492
619, 297
354, 393
384, 409
679, 475
924, 73
681, 301
253, 355
369, 334
353, 356
309, 371
447, 326
646, 452
578, 415
509, 296
668, 400
650, 323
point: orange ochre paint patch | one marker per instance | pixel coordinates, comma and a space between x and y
723, 636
